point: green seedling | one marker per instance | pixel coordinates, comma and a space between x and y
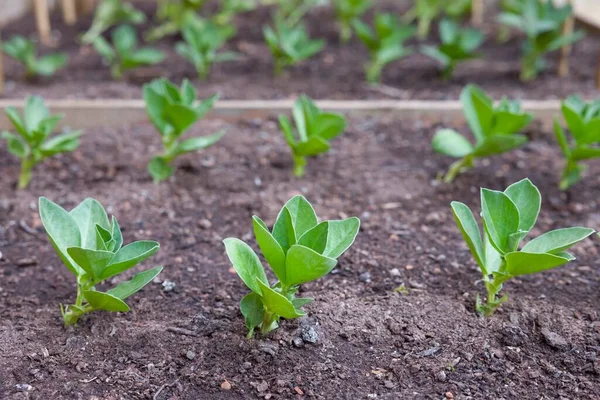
458, 45
426, 11
229, 9
34, 143
583, 121
202, 45
509, 7
175, 15
385, 42
291, 12
314, 130
542, 23
290, 45
507, 218
496, 130
110, 13
299, 250
92, 248
24, 51
173, 111
123, 55
347, 12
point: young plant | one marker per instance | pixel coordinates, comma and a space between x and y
110, 13
507, 218
291, 12
385, 43
202, 44
175, 15
458, 45
426, 11
173, 111
542, 24
290, 45
299, 250
347, 12
314, 130
496, 130
229, 9
34, 143
123, 55
583, 121
24, 51
92, 248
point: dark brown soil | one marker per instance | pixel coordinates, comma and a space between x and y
336, 73
424, 342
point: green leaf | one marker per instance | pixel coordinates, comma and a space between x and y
304, 265
493, 259
116, 234
479, 111
129, 256
283, 230
159, 169
15, 119
327, 126
246, 263
104, 49
301, 302
574, 121
253, 310
498, 144
62, 230
528, 200
302, 214
15, 145
286, 128
144, 56
556, 241
585, 153
340, 236
451, 143
508, 123
470, 231
91, 261
87, 214
48, 65
34, 113
277, 303
125, 289
500, 218
124, 39
522, 263
180, 117
61, 143
105, 301
198, 143
315, 145
561, 138
270, 248
155, 106
316, 237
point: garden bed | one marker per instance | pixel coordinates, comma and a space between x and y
335, 73
423, 341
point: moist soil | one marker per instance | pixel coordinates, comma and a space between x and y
394, 320
335, 73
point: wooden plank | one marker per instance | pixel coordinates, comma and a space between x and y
42, 19
87, 114
69, 11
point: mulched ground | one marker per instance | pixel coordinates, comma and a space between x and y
372, 340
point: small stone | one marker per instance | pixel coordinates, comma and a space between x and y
205, 224
365, 277
554, 339
168, 286
395, 272
178, 260
226, 385
309, 334
262, 387
269, 348
449, 395
247, 365
441, 376
190, 355
298, 342
23, 387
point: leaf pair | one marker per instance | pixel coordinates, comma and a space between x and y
110, 13
314, 130
202, 44
123, 55
458, 45
32, 143
385, 42
24, 51
426, 11
173, 111
290, 45
507, 218
347, 12
299, 250
92, 248
496, 129
583, 121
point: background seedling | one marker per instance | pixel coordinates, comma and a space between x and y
426, 11
507, 218
92, 248
347, 12
496, 130
24, 51
314, 130
229, 9
33, 142
110, 13
175, 15
583, 121
173, 111
299, 250
123, 55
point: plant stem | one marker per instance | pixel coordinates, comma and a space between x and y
345, 32
25, 175
299, 164
457, 168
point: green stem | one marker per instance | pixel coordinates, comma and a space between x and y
25, 175
373, 72
345, 32
458, 167
299, 164
266, 325
423, 28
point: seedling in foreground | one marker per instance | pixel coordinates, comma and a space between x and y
173, 111
24, 51
347, 12
458, 45
507, 218
542, 22
92, 248
314, 130
385, 43
299, 250
496, 130
290, 45
583, 121
123, 55
33, 143
110, 13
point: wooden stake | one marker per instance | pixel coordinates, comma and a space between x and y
565, 52
69, 11
42, 18
86, 6
477, 11
1, 69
